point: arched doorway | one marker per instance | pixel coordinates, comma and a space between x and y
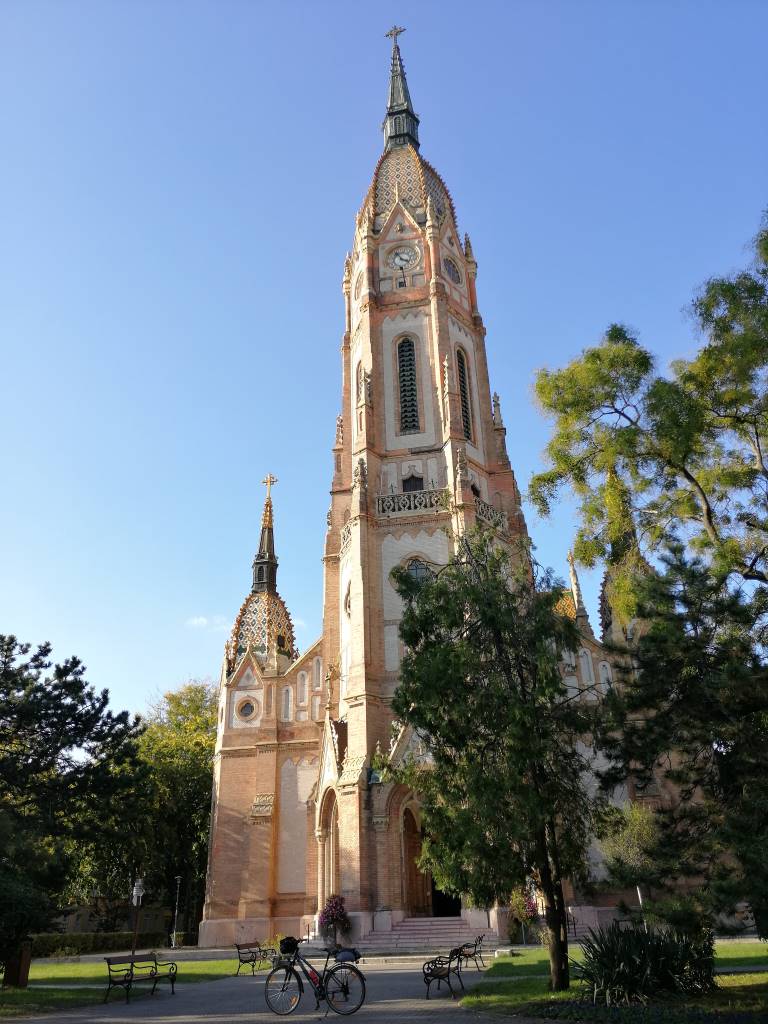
422, 898
328, 872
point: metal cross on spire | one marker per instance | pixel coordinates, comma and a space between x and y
269, 480
393, 33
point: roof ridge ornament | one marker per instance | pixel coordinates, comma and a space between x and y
401, 125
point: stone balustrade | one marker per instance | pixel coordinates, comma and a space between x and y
493, 516
412, 502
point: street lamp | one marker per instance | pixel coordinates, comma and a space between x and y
176, 912
137, 893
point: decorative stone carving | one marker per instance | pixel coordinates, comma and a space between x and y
346, 537
351, 770
493, 516
497, 420
411, 502
360, 475
339, 429
462, 466
263, 805
328, 516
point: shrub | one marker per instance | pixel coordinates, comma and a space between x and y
628, 965
48, 943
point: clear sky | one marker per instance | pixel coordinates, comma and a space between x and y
178, 186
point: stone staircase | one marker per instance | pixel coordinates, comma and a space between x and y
424, 935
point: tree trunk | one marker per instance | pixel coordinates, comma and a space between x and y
554, 915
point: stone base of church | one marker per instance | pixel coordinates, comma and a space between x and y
226, 931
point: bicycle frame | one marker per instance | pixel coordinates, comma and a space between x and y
307, 969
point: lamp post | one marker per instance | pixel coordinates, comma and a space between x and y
137, 893
176, 912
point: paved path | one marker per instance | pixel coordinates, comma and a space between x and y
394, 996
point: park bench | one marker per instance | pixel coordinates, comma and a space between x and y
473, 951
252, 954
127, 971
441, 968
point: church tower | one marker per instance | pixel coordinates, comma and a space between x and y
420, 454
299, 812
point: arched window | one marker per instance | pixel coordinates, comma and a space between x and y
286, 708
317, 674
419, 570
301, 688
261, 574
587, 672
409, 403
606, 677
315, 708
463, 372
413, 483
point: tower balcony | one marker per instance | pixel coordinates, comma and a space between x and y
493, 516
411, 503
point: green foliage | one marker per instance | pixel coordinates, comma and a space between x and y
632, 965
651, 456
163, 832
48, 943
691, 723
628, 837
505, 798
64, 756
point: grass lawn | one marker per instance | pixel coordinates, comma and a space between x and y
739, 998
17, 1001
536, 961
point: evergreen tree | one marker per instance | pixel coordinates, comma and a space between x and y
506, 797
692, 718
687, 449
65, 761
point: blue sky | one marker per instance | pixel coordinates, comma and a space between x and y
178, 188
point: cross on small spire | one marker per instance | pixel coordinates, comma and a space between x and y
269, 480
393, 33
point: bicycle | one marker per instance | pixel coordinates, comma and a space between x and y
341, 986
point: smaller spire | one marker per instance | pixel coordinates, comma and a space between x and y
582, 616
401, 125
265, 562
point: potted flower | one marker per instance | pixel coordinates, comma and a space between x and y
334, 919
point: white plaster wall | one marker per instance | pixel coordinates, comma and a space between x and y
391, 648
296, 781
415, 325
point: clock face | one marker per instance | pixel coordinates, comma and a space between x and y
403, 257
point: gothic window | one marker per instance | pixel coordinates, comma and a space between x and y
261, 574
406, 370
587, 672
246, 709
359, 285
287, 702
463, 373
413, 483
452, 270
419, 570
606, 678
301, 688
315, 708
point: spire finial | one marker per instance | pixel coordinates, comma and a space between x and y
401, 126
266, 516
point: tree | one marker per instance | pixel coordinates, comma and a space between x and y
64, 758
692, 719
506, 795
683, 455
166, 829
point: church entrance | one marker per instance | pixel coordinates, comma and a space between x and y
443, 904
422, 897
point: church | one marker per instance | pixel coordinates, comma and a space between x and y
298, 813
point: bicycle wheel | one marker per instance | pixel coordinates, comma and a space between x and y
344, 989
282, 990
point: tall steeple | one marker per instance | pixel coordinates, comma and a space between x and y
265, 562
401, 125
